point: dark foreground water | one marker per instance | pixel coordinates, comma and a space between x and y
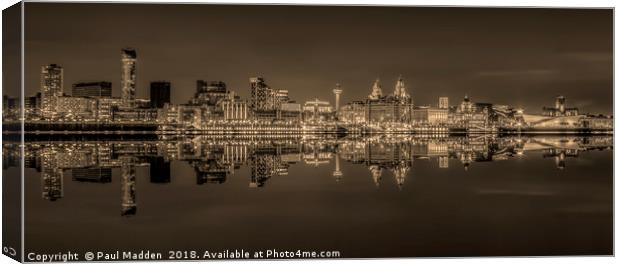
386, 196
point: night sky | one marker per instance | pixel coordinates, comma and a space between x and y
520, 57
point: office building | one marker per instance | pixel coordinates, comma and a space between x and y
92, 89
160, 94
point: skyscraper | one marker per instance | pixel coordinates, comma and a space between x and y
160, 94
51, 88
92, 89
128, 76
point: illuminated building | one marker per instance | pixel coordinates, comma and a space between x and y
209, 93
337, 91
560, 109
376, 92
106, 107
395, 108
290, 112
51, 88
317, 111
430, 115
443, 103
281, 96
128, 76
353, 113
92, 89
71, 108
234, 109
400, 92
262, 96
160, 94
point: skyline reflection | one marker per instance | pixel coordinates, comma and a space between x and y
216, 159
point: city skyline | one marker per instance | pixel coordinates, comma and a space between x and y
581, 72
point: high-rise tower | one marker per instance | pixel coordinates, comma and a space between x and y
128, 76
337, 91
51, 88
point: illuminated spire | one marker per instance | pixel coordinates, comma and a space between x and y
376, 91
399, 89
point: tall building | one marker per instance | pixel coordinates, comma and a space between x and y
128, 76
262, 95
337, 91
51, 88
444, 103
160, 94
92, 89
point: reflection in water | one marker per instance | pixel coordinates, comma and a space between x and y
216, 159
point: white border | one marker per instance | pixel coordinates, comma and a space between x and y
472, 3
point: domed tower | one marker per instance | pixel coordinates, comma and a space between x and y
400, 93
376, 93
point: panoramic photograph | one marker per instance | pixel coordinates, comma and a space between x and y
208, 131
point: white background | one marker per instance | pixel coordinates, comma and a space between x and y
512, 3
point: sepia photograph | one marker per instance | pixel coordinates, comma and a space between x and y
137, 131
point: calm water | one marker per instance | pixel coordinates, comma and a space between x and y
389, 196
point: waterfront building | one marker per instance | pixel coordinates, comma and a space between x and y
290, 111
353, 113
51, 88
560, 109
317, 111
92, 89
262, 96
160, 94
128, 76
395, 108
430, 115
209, 93
376, 92
70, 108
400, 92
444, 103
234, 109
281, 96
141, 115
32, 107
598, 122
106, 107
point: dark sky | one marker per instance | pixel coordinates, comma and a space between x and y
521, 57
